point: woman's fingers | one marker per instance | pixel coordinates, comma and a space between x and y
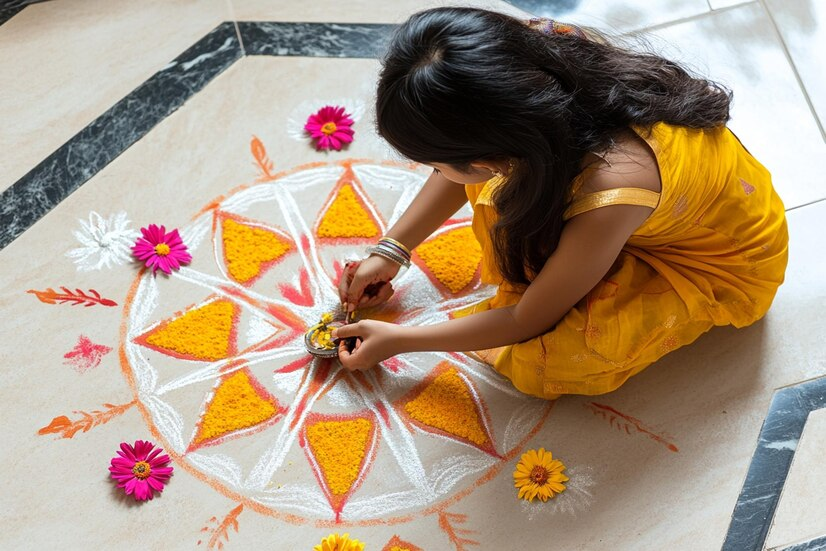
349, 330
349, 360
355, 292
346, 278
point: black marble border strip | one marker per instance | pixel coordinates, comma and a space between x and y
341, 40
817, 544
109, 135
7, 12
770, 464
91, 149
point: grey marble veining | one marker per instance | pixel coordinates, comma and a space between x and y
65, 170
358, 40
817, 544
770, 464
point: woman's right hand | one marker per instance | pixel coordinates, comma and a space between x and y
366, 283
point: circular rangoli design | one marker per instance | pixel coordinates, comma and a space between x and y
215, 357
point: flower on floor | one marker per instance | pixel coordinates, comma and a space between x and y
334, 542
538, 474
159, 249
330, 127
105, 242
140, 470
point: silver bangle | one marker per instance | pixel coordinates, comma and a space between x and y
384, 253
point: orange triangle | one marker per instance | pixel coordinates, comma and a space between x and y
447, 404
452, 257
238, 403
340, 448
398, 544
203, 333
347, 215
247, 249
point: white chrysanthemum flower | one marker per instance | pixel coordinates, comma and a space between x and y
105, 242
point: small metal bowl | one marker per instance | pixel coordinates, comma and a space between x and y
321, 352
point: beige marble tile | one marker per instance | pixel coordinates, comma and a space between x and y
802, 23
613, 15
739, 48
720, 4
73, 59
620, 16
664, 473
799, 516
357, 11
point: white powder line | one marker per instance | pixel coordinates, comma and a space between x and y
272, 459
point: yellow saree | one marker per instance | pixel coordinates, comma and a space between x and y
713, 252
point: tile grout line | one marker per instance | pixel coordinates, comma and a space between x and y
690, 18
792, 64
234, 20
810, 203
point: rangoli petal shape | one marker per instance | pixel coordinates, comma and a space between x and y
398, 544
446, 403
452, 257
250, 249
203, 333
339, 449
348, 214
239, 402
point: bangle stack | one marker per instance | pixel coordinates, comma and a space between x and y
392, 250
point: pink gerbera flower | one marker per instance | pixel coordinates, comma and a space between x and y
160, 249
330, 127
140, 469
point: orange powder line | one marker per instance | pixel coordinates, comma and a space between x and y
316, 164
610, 414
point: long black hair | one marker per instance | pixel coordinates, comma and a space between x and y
461, 84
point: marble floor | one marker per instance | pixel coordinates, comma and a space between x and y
117, 114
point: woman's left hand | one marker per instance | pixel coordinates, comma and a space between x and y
376, 342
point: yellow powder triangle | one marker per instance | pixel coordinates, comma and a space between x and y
447, 404
247, 249
238, 403
339, 448
347, 217
204, 333
398, 544
452, 257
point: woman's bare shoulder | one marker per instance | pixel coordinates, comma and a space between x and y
630, 163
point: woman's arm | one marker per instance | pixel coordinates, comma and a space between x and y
589, 245
438, 199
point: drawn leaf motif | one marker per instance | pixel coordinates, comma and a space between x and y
57, 425
50, 296
67, 428
260, 154
220, 532
456, 534
628, 423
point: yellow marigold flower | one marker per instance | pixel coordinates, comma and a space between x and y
334, 542
538, 474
